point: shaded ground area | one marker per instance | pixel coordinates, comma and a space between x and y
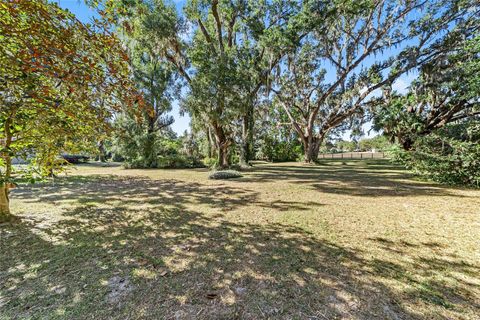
341, 240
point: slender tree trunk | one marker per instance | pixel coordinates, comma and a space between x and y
101, 151
149, 155
149, 151
212, 143
244, 156
5, 214
246, 147
209, 144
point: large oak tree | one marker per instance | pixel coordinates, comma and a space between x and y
356, 49
225, 51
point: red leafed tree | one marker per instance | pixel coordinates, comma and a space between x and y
60, 82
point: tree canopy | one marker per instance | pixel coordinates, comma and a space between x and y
59, 85
445, 91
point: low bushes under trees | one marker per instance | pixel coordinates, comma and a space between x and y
450, 155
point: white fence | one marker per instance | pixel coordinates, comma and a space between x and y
352, 155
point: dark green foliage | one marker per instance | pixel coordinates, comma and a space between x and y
276, 150
179, 153
275, 139
139, 148
133, 143
178, 161
450, 155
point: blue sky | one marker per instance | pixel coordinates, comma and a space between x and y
182, 123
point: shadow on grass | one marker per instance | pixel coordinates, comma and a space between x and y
367, 178
183, 264
127, 191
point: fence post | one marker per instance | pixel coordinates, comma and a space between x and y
361, 155
372, 155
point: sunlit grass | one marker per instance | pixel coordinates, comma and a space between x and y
354, 239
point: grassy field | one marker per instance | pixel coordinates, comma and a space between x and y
340, 240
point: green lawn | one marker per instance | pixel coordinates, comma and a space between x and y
341, 240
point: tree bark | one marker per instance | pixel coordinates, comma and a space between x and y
311, 146
5, 214
101, 151
209, 143
223, 144
223, 160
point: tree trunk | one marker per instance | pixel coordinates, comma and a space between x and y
149, 154
311, 147
223, 161
246, 152
101, 151
5, 214
223, 144
407, 143
316, 148
213, 143
209, 144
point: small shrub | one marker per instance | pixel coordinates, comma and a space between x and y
178, 161
172, 161
225, 174
450, 155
